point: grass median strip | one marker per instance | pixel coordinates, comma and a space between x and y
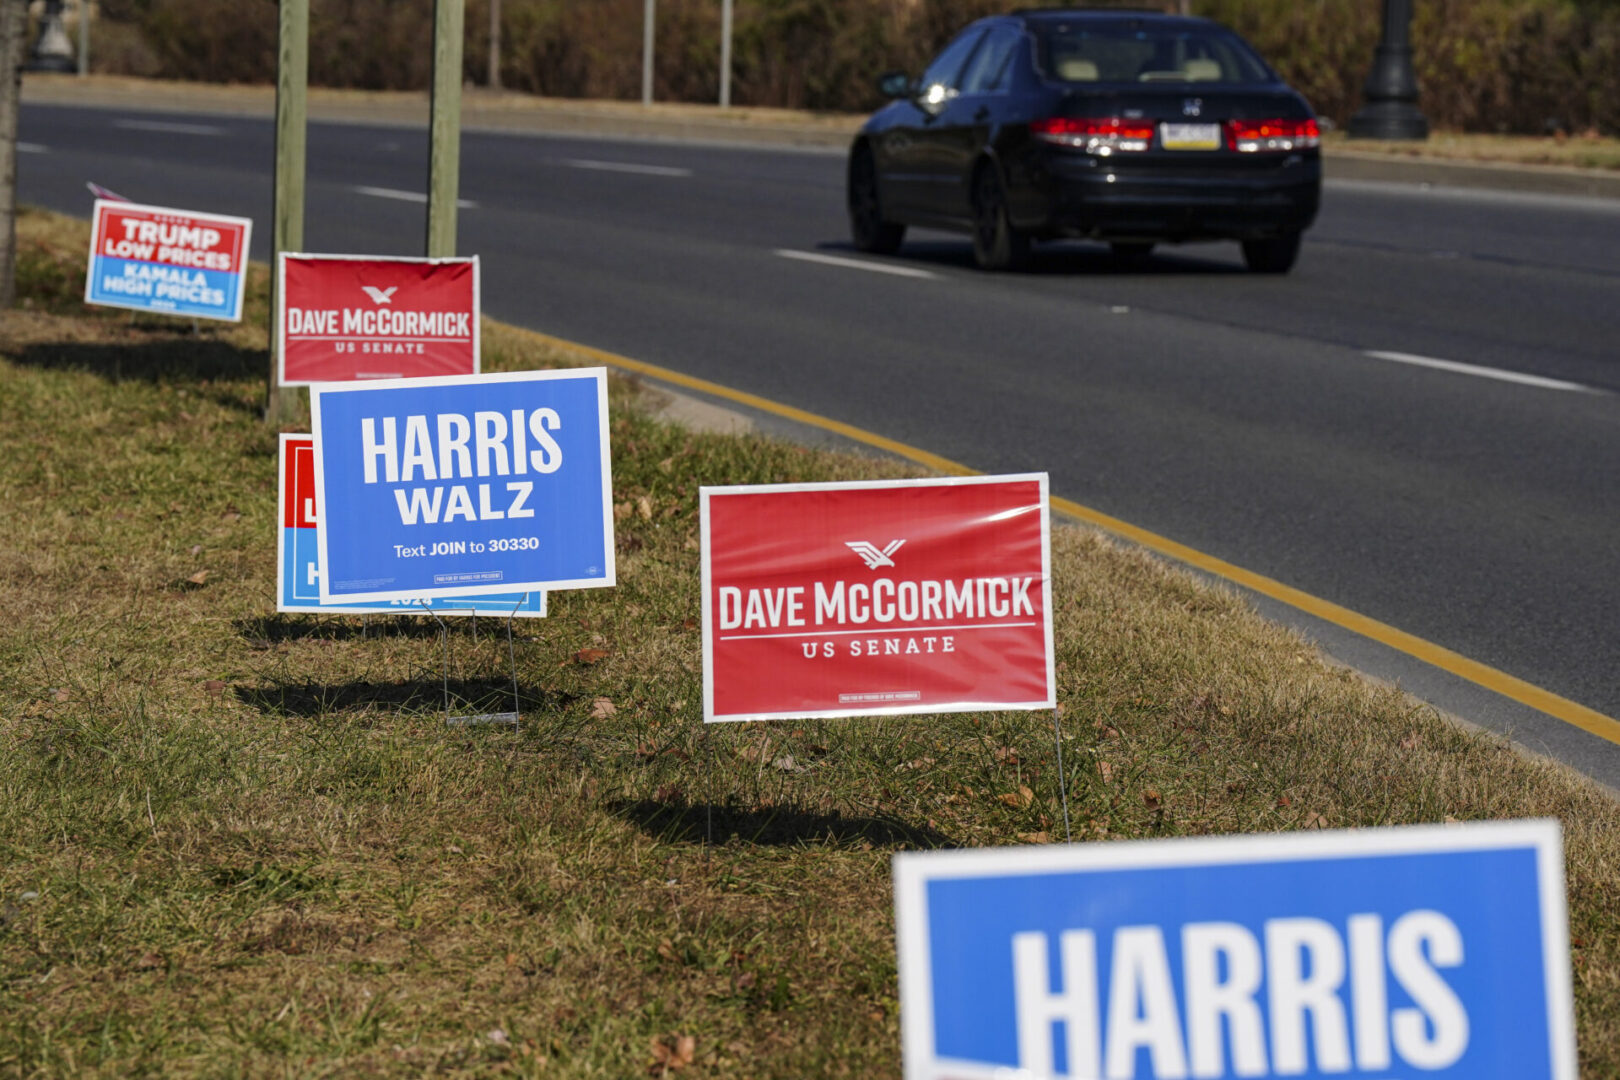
232, 842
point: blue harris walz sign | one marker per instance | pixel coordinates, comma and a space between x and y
463, 485
1384, 953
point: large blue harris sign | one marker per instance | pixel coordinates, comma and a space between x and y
463, 485
1381, 953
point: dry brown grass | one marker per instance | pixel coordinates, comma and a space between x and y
238, 843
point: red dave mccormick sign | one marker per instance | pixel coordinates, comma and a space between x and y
865, 599
346, 317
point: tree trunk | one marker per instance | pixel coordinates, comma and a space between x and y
13, 44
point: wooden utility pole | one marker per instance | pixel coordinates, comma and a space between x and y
84, 37
287, 232
444, 134
494, 44
13, 45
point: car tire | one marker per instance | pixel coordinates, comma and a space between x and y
871, 233
1131, 253
1274, 255
996, 244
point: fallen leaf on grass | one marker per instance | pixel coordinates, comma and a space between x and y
62, 694
150, 962
786, 764
1152, 797
498, 1037
622, 510
672, 1052
644, 507
1035, 837
215, 687
590, 656
199, 577
1018, 799
602, 708
1316, 821
196, 549
668, 793
1107, 772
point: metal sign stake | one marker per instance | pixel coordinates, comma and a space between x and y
515, 716
1063, 787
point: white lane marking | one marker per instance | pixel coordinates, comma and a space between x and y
407, 196
32, 148
1453, 366
170, 126
855, 264
626, 167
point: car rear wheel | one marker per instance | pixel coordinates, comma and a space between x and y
1275, 255
871, 233
996, 244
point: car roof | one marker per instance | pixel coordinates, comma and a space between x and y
1033, 17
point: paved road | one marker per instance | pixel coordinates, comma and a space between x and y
1241, 415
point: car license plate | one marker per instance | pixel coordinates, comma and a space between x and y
1190, 136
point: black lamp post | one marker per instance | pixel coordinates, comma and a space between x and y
53, 51
1390, 110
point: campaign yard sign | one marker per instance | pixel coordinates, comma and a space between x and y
463, 485
1434, 951
876, 598
345, 317
177, 262
298, 586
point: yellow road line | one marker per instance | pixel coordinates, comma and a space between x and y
1499, 682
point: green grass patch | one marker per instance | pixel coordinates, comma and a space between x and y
236, 843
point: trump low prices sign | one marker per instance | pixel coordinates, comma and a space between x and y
344, 317
298, 584
861, 599
463, 485
151, 258
1438, 952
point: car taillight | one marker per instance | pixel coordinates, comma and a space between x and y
1095, 135
1261, 136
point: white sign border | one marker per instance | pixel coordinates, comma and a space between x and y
344, 608
281, 307
912, 871
241, 273
706, 622
610, 571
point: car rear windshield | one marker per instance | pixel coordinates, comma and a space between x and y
1125, 53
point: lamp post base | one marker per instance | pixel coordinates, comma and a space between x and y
1388, 120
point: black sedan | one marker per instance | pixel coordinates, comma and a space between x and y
1128, 127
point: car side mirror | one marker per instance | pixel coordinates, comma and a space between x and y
895, 84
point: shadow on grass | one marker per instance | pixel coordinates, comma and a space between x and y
165, 357
678, 822
424, 696
275, 629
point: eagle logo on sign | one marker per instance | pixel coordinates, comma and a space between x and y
380, 296
871, 553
